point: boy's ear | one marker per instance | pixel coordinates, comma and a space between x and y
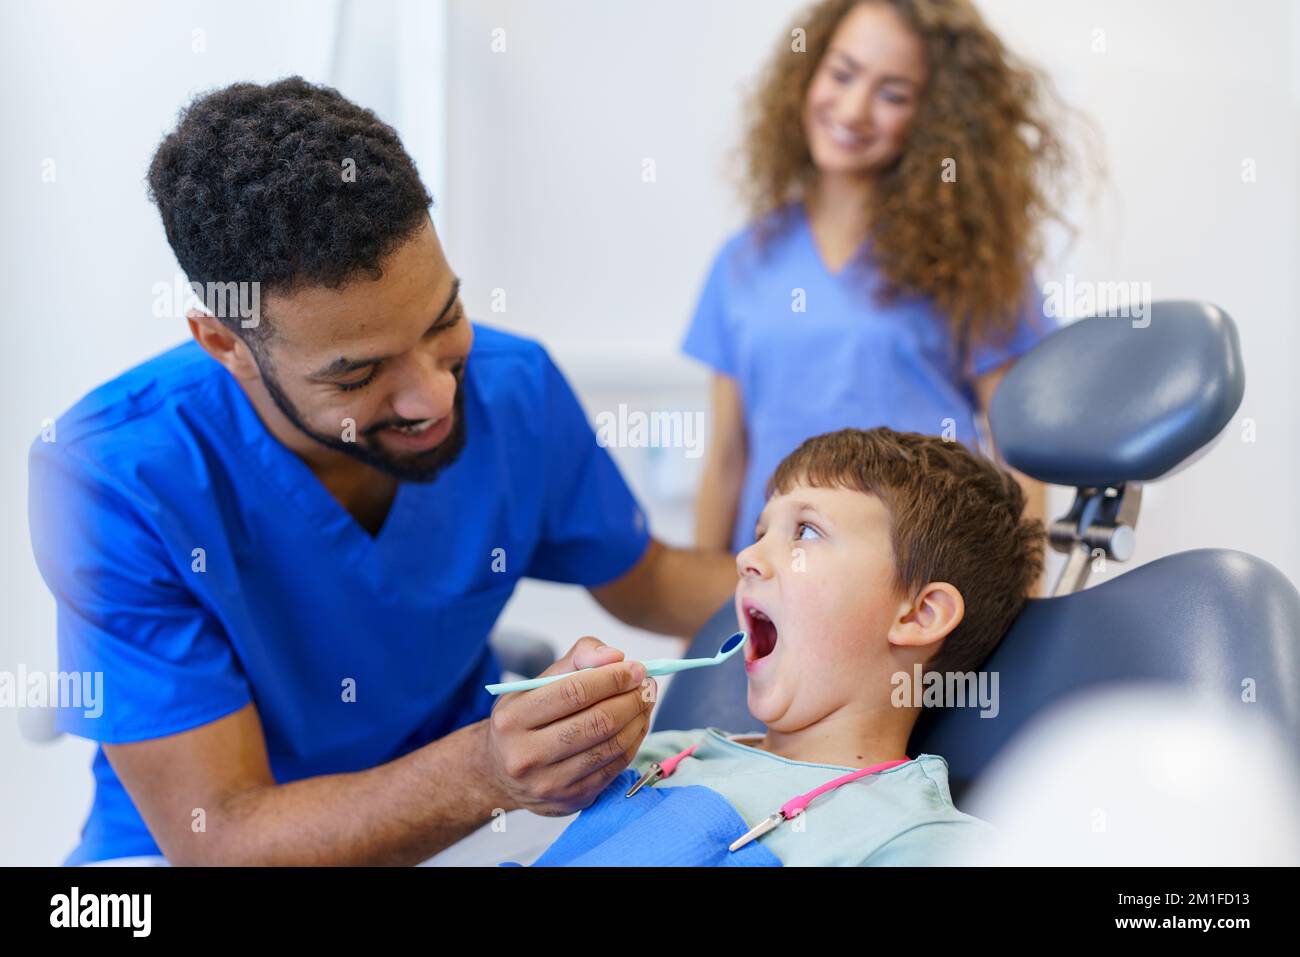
222, 344
937, 609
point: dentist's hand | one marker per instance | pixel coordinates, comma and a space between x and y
553, 749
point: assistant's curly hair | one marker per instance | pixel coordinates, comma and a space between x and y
252, 186
969, 244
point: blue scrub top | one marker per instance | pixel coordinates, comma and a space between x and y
291, 603
844, 361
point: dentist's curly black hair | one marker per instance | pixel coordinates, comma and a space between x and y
253, 185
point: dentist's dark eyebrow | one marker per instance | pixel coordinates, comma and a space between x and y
446, 319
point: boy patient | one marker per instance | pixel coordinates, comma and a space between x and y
877, 551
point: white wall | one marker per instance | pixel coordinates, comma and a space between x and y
541, 195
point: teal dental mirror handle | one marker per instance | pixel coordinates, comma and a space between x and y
653, 666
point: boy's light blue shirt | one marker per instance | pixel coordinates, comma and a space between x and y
901, 816
812, 351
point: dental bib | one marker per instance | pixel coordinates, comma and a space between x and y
690, 826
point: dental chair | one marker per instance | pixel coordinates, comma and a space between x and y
1103, 405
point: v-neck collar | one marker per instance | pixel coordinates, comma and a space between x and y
805, 222
283, 468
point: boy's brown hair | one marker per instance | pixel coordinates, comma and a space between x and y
955, 516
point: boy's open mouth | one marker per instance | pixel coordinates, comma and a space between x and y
762, 633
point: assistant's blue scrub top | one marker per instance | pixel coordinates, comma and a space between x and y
813, 352
290, 603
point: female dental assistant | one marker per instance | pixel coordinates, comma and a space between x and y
884, 278
284, 544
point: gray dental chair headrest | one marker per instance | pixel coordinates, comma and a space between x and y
1110, 400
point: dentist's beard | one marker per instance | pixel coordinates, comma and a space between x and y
422, 467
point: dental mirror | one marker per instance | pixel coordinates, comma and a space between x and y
653, 666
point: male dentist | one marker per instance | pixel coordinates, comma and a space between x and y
284, 544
